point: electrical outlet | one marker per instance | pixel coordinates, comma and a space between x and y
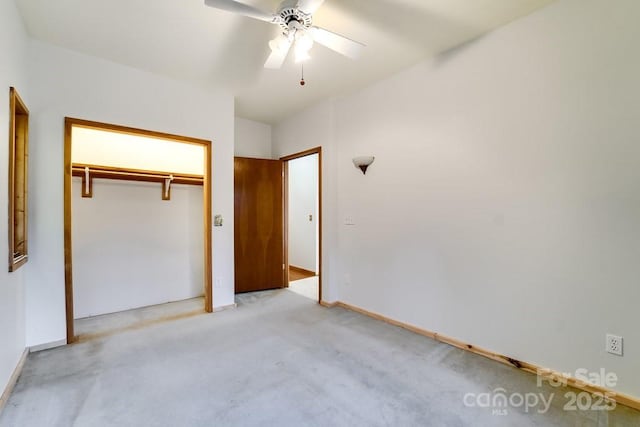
614, 344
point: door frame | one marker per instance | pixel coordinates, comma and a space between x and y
285, 160
69, 123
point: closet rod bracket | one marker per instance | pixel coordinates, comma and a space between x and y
87, 184
166, 188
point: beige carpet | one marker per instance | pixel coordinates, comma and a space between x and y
279, 359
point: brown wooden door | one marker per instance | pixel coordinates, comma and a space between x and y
259, 239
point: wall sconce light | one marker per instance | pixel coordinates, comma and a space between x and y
363, 162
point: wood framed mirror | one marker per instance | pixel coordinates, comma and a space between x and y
18, 161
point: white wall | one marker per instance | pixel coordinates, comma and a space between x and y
133, 249
64, 83
503, 208
303, 201
252, 139
13, 44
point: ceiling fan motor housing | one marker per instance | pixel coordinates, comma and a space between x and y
293, 15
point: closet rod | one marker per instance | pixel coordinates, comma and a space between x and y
125, 174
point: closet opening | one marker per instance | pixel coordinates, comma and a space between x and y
137, 232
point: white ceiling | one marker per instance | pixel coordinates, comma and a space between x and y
187, 40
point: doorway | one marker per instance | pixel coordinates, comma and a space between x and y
261, 225
303, 222
131, 181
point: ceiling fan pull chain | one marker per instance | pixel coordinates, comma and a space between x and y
302, 82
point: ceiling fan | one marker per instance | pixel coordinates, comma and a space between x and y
295, 18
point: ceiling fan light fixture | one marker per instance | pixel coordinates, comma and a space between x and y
304, 43
302, 56
279, 44
304, 40
295, 18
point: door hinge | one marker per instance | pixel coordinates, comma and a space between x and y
283, 266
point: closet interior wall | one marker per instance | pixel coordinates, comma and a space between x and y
133, 249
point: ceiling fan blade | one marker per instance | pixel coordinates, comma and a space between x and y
347, 47
309, 6
277, 57
241, 8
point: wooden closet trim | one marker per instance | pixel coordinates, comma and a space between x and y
69, 123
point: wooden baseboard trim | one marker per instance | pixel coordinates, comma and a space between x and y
13, 379
548, 374
328, 304
302, 270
